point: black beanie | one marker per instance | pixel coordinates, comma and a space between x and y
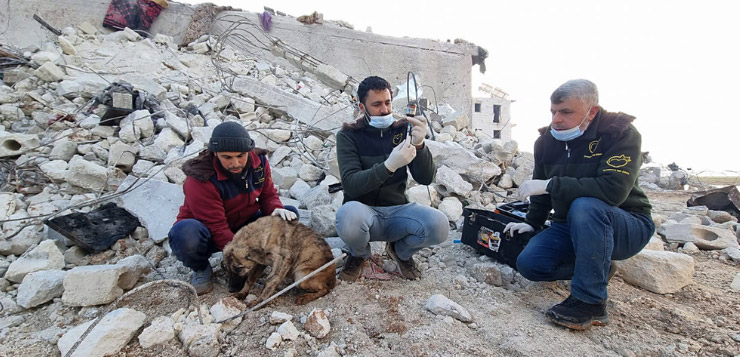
231, 137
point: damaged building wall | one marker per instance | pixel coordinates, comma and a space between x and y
23, 30
446, 67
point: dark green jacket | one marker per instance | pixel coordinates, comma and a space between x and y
361, 151
603, 163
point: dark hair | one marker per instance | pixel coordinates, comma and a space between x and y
371, 83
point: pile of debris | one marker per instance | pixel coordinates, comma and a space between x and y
98, 117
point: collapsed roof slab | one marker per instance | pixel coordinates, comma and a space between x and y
446, 67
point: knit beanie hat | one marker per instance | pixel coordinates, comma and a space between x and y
230, 136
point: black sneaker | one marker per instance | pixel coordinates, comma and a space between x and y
352, 268
578, 315
235, 283
407, 267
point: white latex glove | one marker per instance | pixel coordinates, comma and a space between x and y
401, 155
515, 227
532, 188
419, 130
285, 214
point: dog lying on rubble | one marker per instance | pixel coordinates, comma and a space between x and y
285, 246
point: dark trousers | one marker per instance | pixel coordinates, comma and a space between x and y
582, 249
191, 241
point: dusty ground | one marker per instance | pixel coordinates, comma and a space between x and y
385, 318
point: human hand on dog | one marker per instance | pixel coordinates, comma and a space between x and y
284, 214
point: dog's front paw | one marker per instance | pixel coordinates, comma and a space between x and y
239, 295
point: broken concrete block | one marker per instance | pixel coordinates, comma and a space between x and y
278, 317
441, 305
197, 337
87, 174
135, 267
157, 219
323, 220
168, 139
123, 100
63, 150
278, 135
281, 153
179, 125
704, 237
452, 208
316, 196
136, 125
97, 230
66, 46
159, 332
299, 188
16, 144
226, 308
661, 272
7, 95
87, 28
317, 324
148, 85
122, 156
243, 105
423, 195
40, 287
310, 173
20, 243
92, 285
108, 337
8, 205
46, 256
273, 342
49, 72
655, 243
284, 177
331, 76
288, 332
453, 182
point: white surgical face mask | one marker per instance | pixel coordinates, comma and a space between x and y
569, 134
381, 121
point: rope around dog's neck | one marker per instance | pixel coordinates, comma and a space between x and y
281, 292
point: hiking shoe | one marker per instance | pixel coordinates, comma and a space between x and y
236, 283
202, 280
407, 267
612, 272
578, 315
352, 268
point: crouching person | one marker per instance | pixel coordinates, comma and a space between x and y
227, 186
375, 156
586, 166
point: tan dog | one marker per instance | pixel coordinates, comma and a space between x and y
286, 246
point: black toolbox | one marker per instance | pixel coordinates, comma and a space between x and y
484, 231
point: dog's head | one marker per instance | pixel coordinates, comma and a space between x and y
236, 263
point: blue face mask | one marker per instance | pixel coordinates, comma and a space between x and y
381, 122
569, 134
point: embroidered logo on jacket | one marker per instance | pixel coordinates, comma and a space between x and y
592, 148
618, 161
259, 176
397, 139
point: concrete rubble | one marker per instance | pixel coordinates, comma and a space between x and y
49, 126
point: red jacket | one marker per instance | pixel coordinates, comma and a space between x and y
224, 205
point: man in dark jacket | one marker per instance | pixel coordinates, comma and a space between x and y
586, 166
227, 186
375, 155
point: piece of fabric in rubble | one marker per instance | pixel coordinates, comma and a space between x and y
137, 15
142, 99
266, 21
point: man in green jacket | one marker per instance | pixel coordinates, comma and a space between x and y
586, 166
375, 155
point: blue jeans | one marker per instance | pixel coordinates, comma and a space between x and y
582, 249
412, 226
191, 241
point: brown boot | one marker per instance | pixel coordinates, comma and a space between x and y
352, 269
407, 267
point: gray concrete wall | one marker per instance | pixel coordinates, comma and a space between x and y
447, 67
23, 30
